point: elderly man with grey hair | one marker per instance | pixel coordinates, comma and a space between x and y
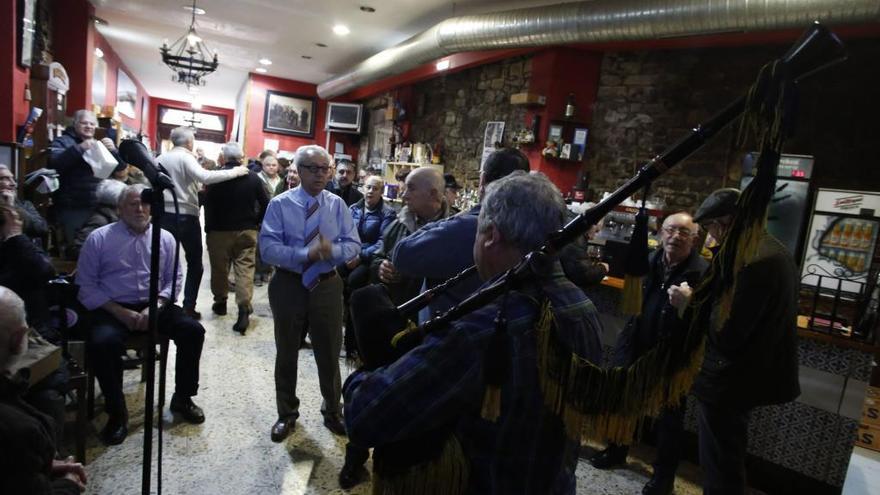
113, 272
189, 177
307, 232
233, 212
35, 225
75, 198
440, 383
25, 433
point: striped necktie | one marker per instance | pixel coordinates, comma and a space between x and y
313, 223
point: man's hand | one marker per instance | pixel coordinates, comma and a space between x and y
387, 272
240, 171
680, 296
68, 469
86, 144
353, 263
134, 321
323, 250
108, 143
11, 226
7, 198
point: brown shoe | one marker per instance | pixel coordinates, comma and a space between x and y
282, 428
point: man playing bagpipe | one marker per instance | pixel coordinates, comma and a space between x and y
465, 410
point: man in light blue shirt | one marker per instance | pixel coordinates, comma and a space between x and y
113, 274
306, 232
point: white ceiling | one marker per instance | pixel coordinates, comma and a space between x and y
243, 31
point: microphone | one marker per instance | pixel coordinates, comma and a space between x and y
134, 152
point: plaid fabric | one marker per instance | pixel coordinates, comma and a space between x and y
440, 383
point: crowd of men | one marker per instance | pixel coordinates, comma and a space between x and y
320, 239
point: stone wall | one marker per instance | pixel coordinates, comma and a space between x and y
648, 100
456, 107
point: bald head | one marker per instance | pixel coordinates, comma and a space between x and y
13, 326
425, 190
677, 237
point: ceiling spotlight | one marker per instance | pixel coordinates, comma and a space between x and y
367, 8
261, 70
265, 61
307, 57
99, 53
320, 45
194, 10
443, 64
99, 22
341, 30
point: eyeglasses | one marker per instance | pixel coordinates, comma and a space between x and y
316, 169
682, 231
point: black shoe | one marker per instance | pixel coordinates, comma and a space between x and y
192, 313
243, 322
115, 430
333, 422
219, 308
258, 281
351, 476
659, 485
613, 455
188, 409
282, 428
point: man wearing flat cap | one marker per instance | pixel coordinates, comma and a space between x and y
751, 360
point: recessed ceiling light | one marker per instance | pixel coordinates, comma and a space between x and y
261, 70
443, 64
196, 10
367, 8
265, 61
99, 21
341, 30
321, 45
99, 53
307, 57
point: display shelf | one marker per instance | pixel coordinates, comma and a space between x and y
391, 169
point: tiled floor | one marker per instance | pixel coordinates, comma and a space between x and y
231, 453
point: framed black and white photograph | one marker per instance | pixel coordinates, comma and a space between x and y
289, 114
126, 94
26, 32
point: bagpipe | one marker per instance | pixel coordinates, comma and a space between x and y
610, 403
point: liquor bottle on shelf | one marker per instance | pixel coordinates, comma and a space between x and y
834, 239
579, 190
867, 235
569, 106
847, 234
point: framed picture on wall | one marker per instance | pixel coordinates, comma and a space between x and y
289, 114
126, 94
26, 32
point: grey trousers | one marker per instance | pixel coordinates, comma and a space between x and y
292, 305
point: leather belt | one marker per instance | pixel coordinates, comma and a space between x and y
322, 277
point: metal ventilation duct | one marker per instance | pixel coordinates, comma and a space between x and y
596, 21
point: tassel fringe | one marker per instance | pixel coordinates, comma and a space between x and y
445, 475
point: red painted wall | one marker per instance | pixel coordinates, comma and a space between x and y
153, 117
556, 73
13, 107
114, 63
258, 85
73, 47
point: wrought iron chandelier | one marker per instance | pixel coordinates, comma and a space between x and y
189, 57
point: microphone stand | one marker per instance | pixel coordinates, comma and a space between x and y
157, 207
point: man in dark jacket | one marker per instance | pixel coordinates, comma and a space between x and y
425, 202
233, 212
371, 216
75, 197
675, 269
751, 360
443, 249
343, 185
27, 458
35, 225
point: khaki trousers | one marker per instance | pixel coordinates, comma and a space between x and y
238, 248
